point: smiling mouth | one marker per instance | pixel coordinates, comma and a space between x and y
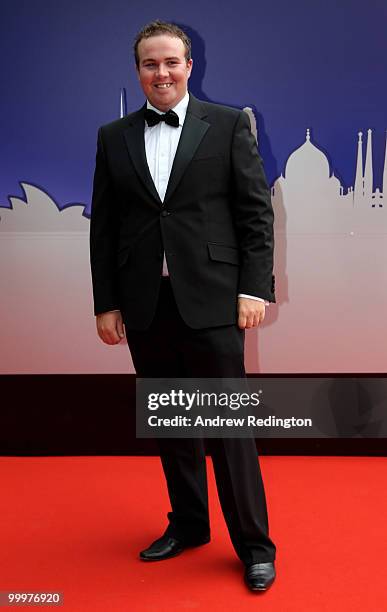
163, 85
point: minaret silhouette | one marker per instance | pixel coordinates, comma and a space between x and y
253, 122
123, 108
368, 172
359, 181
384, 184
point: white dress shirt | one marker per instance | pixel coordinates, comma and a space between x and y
161, 141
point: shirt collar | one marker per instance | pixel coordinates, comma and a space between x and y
180, 108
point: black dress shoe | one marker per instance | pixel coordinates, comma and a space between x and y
260, 576
166, 547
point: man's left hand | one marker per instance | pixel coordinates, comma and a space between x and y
250, 313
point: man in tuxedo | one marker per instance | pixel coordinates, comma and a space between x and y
181, 245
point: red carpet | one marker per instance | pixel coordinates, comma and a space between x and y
76, 524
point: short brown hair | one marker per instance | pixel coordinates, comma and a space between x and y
162, 27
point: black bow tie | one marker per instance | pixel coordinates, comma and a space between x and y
152, 118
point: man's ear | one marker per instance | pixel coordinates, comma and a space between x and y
189, 66
137, 71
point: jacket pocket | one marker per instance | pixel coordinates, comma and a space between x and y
224, 253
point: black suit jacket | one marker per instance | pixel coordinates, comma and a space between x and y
215, 224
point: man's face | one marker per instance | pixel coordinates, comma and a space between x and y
163, 70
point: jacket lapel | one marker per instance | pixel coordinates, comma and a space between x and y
134, 138
192, 134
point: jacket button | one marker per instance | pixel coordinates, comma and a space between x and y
165, 213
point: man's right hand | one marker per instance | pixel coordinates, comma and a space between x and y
110, 327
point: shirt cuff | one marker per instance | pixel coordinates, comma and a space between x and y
254, 297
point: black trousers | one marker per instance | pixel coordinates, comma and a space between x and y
169, 348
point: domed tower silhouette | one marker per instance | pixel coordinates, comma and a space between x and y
313, 161
311, 194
